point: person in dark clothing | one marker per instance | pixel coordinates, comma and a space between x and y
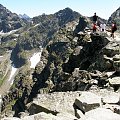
95, 18
113, 29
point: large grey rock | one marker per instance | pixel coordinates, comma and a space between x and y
115, 108
45, 116
10, 118
112, 97
116, 57
112, 48
54, 103
116, 65
114, 81
66, 116
88, 101
116, 61
77, 50
101, 114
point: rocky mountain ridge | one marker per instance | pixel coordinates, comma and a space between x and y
70, 61
8, 20
24, 16
44, 27
50, 75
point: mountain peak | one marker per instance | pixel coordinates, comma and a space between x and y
9, 20
66, 10
66, 15
25, 17
1, 5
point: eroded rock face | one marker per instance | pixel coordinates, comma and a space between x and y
73, 106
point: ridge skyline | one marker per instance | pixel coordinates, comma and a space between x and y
86, 8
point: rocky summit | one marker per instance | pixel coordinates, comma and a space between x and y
55, 68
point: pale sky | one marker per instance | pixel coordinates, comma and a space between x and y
103, 8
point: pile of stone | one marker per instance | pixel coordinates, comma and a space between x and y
79, 105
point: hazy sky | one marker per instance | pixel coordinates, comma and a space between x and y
103, 8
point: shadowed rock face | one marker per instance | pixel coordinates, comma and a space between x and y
8, 20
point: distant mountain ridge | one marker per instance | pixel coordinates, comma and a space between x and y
8, 20
63, 16
25, 16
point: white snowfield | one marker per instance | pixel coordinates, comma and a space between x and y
8, 33
13, 71
35, 59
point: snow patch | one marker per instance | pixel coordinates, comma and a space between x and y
36, 25
13, 71
8, 33
35, 59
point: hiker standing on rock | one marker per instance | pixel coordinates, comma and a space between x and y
113, 29
94, 27
95, 17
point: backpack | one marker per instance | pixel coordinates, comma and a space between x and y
94, 27
114, 27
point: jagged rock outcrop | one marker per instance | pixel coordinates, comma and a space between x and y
115, 16
66, 106
8, 20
